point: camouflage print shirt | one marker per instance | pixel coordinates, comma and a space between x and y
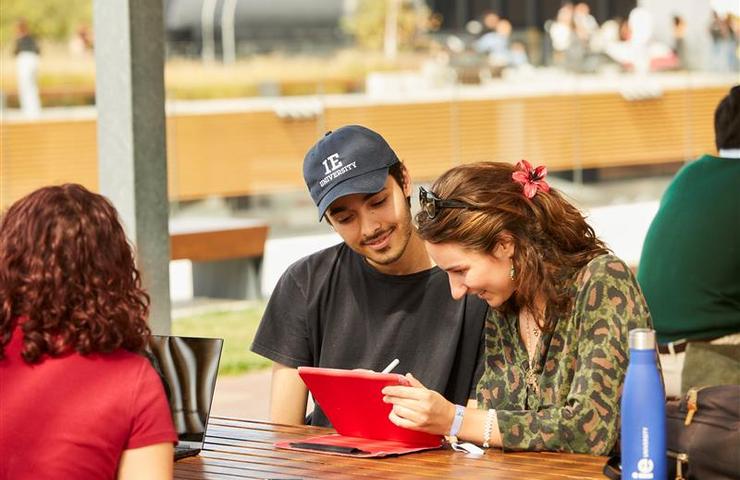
579, 368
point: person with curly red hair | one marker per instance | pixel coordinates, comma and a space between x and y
79, 400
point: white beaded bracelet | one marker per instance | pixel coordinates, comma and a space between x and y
488, 427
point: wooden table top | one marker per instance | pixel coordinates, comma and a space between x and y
244, 449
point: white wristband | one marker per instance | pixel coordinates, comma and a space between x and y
488, 427
457, 420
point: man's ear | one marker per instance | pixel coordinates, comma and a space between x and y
406, 181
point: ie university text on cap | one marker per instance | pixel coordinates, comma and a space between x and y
352, 159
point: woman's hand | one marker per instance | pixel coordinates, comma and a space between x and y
418, 408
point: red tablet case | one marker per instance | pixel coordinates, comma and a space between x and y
353, 402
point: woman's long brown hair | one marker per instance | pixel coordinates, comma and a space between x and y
68, 270
552, 240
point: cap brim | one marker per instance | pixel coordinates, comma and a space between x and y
370, 182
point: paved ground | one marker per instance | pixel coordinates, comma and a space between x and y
243, 396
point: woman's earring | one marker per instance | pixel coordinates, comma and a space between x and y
511, 271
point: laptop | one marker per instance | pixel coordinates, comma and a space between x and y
188, 367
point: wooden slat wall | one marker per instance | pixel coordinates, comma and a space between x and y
258, 152
41, 153
235, 154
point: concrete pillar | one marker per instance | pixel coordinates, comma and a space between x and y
132, 157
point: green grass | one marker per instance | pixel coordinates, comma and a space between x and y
237, 328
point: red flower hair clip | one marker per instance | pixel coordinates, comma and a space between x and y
532, 179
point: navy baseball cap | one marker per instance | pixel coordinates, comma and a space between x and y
348, 160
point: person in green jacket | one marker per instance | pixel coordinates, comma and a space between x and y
556, 348
689, 270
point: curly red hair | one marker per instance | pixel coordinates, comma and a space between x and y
67, 269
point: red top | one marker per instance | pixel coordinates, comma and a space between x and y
73, 416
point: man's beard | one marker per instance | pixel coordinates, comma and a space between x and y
403, 231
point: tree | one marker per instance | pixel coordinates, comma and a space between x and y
368, 21
48, 19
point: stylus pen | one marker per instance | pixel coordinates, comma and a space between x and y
391, 366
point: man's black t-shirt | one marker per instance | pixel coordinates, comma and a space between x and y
331, 309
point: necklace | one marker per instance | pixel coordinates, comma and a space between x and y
531, 333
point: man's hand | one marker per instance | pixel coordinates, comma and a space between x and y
418, 408
288, 396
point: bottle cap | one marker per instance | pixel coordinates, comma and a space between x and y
642, 339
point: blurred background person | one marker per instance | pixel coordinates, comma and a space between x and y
501, 55
679, 40
518, 55
584, 29
584, 23
724, 42
487, 24
499, 49
640, 23
495, 40
78, 398
561, 33
26, 51
691, 255
81, 42
490, 21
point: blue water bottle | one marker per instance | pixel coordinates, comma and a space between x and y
643, 411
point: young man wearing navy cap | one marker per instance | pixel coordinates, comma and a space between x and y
376, 296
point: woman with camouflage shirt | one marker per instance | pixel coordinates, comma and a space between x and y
561, 309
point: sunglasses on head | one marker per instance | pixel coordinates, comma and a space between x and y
432, 204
